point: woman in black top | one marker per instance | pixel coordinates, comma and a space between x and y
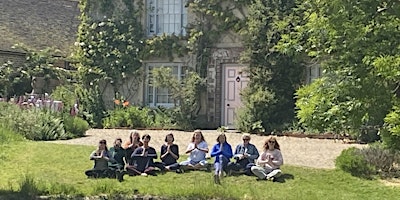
170, 153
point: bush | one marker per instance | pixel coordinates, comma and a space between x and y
390, 133
352, 161
132, 117
383, 160
75, 126
33, 124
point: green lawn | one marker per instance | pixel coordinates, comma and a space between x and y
59, 169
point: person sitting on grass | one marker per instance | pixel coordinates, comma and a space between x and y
101, 158
222, 151
117, 159
169, 154
245, 155
142, 159
197, 150
269, 162
130, 146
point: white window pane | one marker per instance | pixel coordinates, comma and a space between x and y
171, 19
150, 99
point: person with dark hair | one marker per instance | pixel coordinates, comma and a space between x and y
130, 145
245, 154
117, 159
197, 150
269, 162
222, 151
169, 154
101, 158
142, 159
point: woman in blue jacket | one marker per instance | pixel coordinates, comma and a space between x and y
222, 151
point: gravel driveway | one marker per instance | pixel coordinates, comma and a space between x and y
316, 153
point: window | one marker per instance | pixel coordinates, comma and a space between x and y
161, 96
166, 16
313, 72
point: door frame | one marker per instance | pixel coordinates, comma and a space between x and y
223, 89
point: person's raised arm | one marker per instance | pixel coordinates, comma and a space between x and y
93, 156
278, 159
203, 147
253, 152
190, 148
174, 151
215, 151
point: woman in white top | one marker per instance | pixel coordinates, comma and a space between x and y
269, 162
197, 149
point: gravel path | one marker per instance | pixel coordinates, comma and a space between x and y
316, 153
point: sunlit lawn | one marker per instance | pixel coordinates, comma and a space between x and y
59, 169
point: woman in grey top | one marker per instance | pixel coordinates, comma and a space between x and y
101, 158
245, 154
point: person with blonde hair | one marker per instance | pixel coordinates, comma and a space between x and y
269, 162
222, 151
245, 154
197, 150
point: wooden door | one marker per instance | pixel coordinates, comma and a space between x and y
235, 79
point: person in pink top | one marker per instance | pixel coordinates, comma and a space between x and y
269, 162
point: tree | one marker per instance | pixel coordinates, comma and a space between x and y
274, 76
348, 38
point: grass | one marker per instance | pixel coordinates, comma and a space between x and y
32, 168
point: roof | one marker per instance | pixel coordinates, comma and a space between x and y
39, 24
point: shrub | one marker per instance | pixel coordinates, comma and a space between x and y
33, 124
351, 160
132, 117
383, 160
75, 126
390, 133
47, 127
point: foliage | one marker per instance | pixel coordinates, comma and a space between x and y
66, 94
352, 161
185, 93
390, 133
382, 159
32, 124
17, 80
355, 45
132, 117
75, 126
45, 163
273, 75
91, 105
109, 50
14, 80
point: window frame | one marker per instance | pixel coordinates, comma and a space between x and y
153, 103
153, 14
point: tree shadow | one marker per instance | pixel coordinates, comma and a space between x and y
283, 178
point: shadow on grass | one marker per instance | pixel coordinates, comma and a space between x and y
13, 195
283, 178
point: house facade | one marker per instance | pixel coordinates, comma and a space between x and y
54, 23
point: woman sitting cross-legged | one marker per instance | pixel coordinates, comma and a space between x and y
197, 150
117, 159
101, 158
142, 159
222, 151
245, 155
269, 162
169, 154
130, 145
